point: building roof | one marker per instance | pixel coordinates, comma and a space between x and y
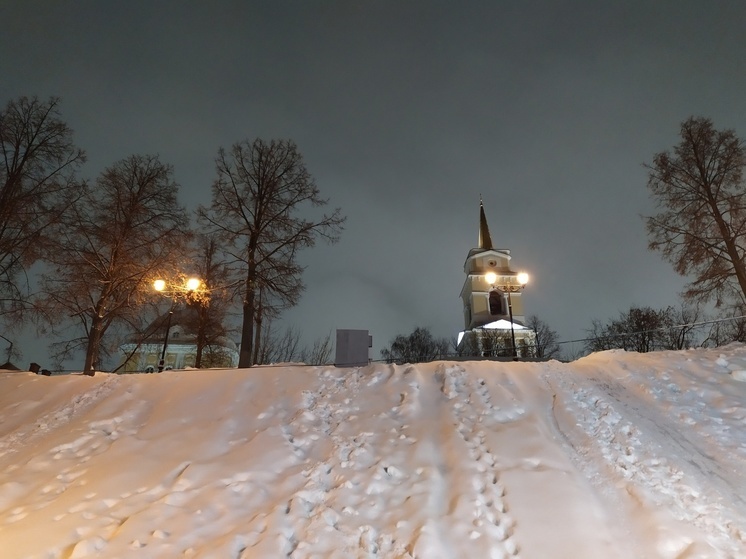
183, 320
485, 241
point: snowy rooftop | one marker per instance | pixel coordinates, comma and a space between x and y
617, 455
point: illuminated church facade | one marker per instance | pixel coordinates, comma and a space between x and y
492, 296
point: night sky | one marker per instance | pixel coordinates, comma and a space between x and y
405, 113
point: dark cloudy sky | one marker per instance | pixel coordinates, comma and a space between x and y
405, 112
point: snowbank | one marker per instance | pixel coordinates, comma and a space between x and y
617, 455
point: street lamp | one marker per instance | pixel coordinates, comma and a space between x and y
190, 286
509, 287
522, 278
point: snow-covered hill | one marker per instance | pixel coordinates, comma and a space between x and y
617, 455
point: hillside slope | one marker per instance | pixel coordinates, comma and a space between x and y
617, 455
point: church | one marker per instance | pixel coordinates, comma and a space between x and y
492, 296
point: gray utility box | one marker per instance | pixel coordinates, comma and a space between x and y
353, 348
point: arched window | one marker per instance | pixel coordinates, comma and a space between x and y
497, 303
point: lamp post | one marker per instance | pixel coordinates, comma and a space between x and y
509, 287
522, 278
190, 286
162, 361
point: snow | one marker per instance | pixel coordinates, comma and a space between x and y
616, 455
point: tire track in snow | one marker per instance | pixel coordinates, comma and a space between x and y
699, 418
611, 430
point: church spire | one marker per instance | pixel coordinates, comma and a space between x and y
485, 241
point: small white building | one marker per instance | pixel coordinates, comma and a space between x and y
181, 347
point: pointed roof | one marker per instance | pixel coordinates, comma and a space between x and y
485, 241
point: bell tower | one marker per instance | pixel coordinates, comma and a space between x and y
492, 296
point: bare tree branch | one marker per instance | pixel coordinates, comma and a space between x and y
38, 166
260, 203
116, 238
700, 193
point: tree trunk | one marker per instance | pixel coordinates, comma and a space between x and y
730, 244
201, 334
258, 330
257, 339
94, 340
247, 329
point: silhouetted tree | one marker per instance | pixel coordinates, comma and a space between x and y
259, 210
546, 346
320, 352
699, 190
601, 337
644, 329
494, 342
417, 347
116, 238
278, 347
210, 319
268, 307
679, 325
37, 185
468, 346
284, 346
728, 331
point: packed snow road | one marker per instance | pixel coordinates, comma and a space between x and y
616, 455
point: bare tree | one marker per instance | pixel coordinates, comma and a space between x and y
679, 327
285, 347
37, 184
727, 331
600, 337
417, 347
467, 346
643, 329
279, 347
119, 235
495, 342
209, 320
546, 338
269, 306
699, 191
258, 200
214, 355
320, 352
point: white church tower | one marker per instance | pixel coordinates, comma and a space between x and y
494, 319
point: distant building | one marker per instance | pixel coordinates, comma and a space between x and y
492, 297
181, 349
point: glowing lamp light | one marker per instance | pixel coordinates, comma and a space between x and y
522, 278
193, 284
159, 285
491, 277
